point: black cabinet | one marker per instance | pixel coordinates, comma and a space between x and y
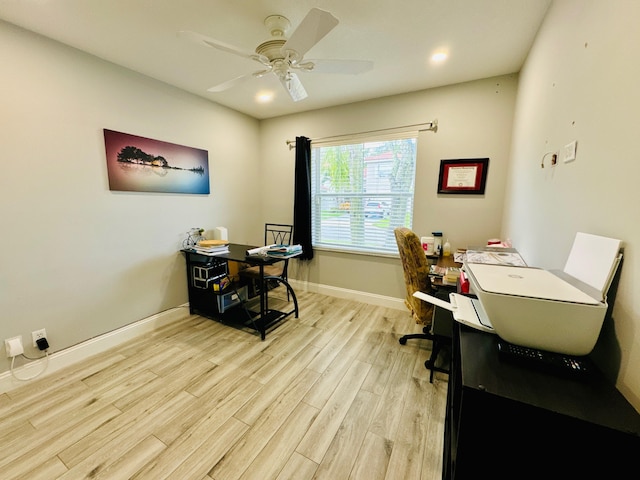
203, 273
509, 420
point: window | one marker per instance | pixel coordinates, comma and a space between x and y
361, 192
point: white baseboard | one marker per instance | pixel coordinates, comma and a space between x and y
77, 353
81, 351
370, 298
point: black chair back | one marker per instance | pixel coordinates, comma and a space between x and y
277, 233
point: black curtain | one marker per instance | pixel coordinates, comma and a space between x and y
302, 198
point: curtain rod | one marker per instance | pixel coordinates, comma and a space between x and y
431, 126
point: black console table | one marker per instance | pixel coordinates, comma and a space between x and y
229, 305
510, 420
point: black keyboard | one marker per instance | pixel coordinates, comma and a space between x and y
556, 362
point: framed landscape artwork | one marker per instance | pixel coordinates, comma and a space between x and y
463, 176
140, 164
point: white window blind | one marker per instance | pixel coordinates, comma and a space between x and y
361, 190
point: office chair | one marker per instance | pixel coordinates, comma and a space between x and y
416, 278
274, 233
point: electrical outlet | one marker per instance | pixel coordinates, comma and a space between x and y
13, 346
37, 334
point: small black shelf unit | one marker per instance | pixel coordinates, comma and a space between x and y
203, 271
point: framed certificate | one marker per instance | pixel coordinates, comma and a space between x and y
463, 176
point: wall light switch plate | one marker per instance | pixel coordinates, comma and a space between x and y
570, 151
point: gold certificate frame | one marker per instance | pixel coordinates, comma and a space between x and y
463, 176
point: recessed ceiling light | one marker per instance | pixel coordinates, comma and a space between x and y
439, 57
264, 97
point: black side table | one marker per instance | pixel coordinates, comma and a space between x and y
508, 420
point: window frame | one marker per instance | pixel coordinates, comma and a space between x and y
400, 202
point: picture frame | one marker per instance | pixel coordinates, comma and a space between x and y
463, 176
141, 164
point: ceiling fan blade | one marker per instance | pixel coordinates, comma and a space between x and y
311, 30
238, 80
225, 47
292, 84
229, 83
349, 67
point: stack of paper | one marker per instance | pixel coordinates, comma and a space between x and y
452, 275
437, 271
594, 260
211, 247
495, 256
284, 251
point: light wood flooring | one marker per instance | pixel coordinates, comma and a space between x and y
330, 395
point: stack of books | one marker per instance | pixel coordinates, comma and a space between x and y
211, 247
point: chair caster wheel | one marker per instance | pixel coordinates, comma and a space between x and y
402, 340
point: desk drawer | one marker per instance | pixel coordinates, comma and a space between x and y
231, 299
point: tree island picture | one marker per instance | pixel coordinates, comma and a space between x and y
142, 164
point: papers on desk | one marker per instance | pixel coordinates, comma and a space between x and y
275, 251
211, 247
210, 250
284, 251
495, 257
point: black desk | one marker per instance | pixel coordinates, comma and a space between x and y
204, 301
506, 420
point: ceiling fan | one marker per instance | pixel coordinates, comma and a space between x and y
283, 56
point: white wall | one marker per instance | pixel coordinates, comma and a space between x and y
474, 121
77, 258
580, 82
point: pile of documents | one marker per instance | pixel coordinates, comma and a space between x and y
437, 271
211, 247
284, 251
449, 275
495, 256
275, 250
452, 276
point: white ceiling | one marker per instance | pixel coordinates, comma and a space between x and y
484, 38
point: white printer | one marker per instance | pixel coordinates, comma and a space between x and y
560, 312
